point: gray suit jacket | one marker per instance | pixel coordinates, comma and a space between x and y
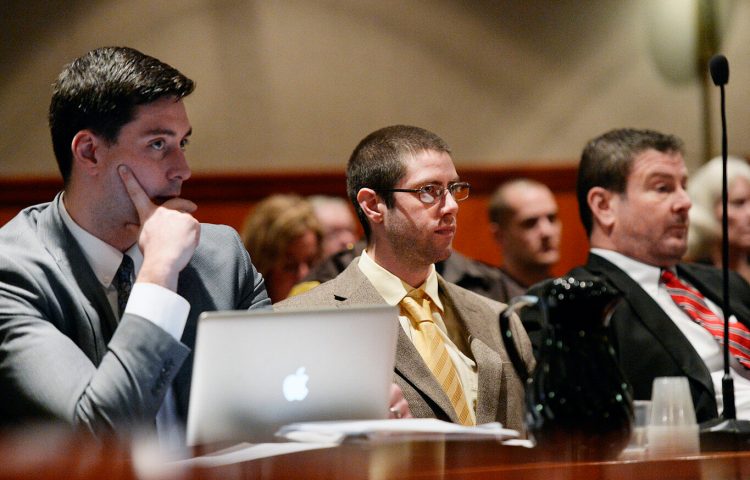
501, 393
62, 353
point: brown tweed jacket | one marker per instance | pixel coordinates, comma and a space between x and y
501, 393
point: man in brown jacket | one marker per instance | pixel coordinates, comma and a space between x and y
405, 189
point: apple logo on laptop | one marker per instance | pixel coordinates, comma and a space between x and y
295, 385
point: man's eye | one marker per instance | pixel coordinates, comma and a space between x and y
184, 143
529, 223
430, 189
158, 145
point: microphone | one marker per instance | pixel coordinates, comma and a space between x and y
726, 432
719, 68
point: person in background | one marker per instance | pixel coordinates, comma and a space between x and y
479, 277
450, 362
337, 221
704, 241
524, 223
634, 205
284, 237
101, 289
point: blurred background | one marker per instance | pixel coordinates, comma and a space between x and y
292, 85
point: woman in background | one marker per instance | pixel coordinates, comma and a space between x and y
284, 239
704, 238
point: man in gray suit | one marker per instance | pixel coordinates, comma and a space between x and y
79, 341
405, 190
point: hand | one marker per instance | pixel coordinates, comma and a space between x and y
169, 233
397, 403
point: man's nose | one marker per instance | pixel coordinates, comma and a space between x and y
683, 201
180, 169
546, 226
450, 204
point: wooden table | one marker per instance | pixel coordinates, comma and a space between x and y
53, 453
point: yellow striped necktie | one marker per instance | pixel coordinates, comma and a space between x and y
431, 347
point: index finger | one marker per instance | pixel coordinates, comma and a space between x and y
143, 205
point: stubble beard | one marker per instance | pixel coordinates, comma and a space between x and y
415, 252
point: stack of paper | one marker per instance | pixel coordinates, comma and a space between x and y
402, 429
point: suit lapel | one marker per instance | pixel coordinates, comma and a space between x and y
485, 345
663, 329
353, 288
190, 286
70, 259
411, 366
709, 282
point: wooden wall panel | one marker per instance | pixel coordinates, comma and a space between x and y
227, 199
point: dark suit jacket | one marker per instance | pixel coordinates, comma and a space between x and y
62, 353
647, 341
501, 393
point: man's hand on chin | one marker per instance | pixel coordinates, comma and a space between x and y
169, 233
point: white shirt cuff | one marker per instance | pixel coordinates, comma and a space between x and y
159, 305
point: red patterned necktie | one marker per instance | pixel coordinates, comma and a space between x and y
694, 305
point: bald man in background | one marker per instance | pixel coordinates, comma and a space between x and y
524, 223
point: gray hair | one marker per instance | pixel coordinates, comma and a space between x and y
704, 189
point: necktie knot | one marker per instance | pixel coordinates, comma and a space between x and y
417, 294
417, 305
669, 279
123, 282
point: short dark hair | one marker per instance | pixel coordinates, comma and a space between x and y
378, 162
100, 91
607, 160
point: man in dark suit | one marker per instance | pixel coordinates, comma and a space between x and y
404, 187
633, 204
100, 289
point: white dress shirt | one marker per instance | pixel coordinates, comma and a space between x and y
155, 303
710, 351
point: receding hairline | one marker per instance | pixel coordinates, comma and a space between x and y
500, 206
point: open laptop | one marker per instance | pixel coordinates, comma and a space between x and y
254, 372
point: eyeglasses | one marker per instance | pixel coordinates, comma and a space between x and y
430, 193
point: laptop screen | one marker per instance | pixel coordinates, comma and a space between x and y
255, 372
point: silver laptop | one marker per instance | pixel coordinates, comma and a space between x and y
257, 371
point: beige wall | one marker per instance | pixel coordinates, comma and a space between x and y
295, 84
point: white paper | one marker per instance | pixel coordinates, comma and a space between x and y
244, 452
403, 429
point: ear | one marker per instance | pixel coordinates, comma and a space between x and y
603, 205
370, 203
497, 232
85, 148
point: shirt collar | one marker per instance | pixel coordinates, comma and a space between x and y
647, 276
392, 288
103, 258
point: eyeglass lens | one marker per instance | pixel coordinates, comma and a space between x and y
430, 193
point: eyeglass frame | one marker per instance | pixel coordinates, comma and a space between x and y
441, 191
